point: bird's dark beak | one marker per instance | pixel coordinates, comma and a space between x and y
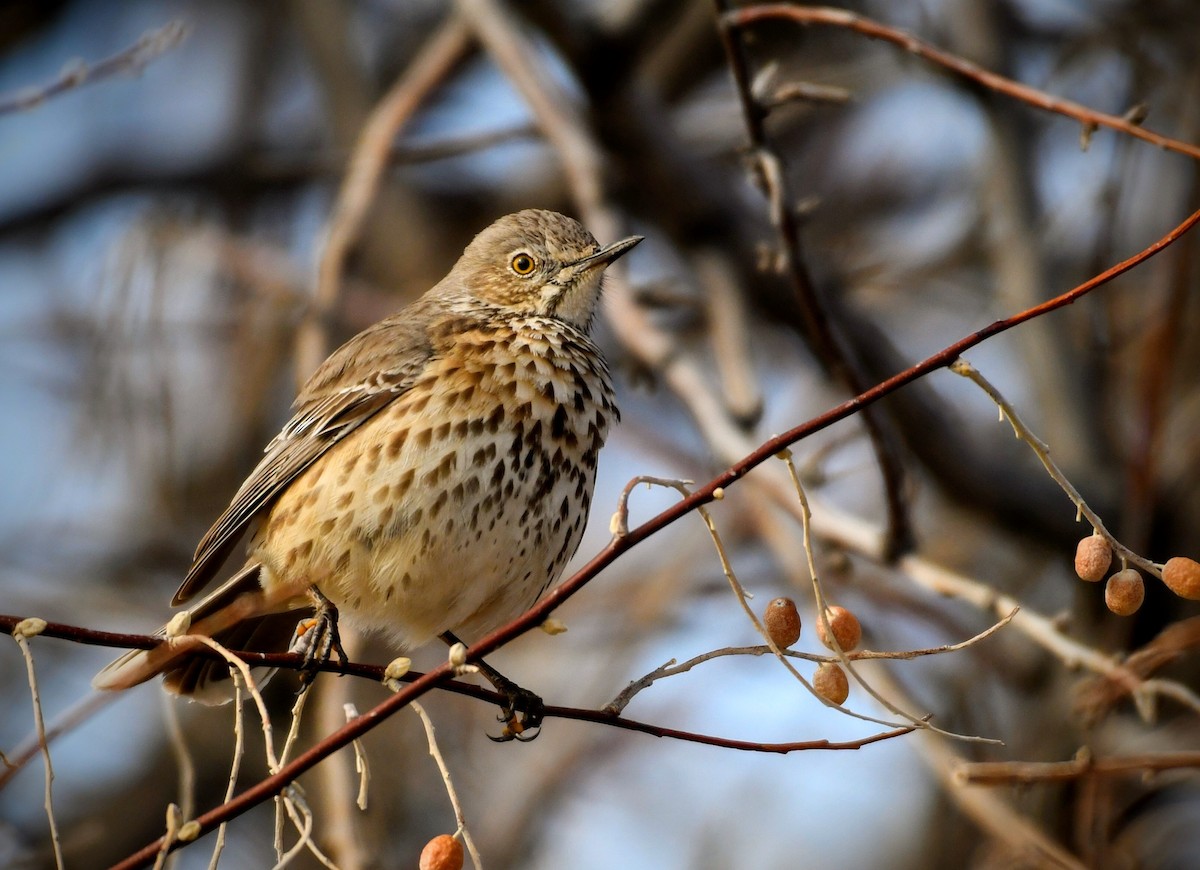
605, 256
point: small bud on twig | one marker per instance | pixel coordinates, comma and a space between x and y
397, 668
29, 627
179, 624
1136, 114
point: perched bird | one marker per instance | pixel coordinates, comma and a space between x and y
438, 469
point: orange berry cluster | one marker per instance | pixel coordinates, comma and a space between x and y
1124, 591
782, 621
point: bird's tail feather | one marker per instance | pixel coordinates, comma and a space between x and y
237, 616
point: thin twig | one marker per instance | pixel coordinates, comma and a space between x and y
283, 801
302, 818
297, 810
362, 764
673, 668
26, 629
459, 817
1090, 118
337, 785
235, 765
152, 45
619, 525
1096, 696
1168, 689
288, 742
1023, 432
1041, 629
823, 617
252, 687
183, 759
376, 673
743, 599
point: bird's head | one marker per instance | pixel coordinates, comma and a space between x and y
538, 262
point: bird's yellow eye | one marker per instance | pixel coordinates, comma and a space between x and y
522, 264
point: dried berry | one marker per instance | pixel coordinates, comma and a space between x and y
1124, 592
1093, 555
845, 627
1182, 576
831, 684
443, 852
783, 622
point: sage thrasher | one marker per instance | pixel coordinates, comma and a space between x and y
436, 475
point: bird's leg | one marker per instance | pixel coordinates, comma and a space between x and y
318, 637
524, 710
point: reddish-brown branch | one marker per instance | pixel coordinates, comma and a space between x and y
375, 673
89, 636
355, 728
1090, 118
537, 614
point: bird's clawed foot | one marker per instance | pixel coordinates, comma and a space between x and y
522, 715
318, 638
523, 711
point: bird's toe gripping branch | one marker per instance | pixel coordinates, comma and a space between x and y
318, 638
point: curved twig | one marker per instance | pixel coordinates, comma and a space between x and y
1090, 118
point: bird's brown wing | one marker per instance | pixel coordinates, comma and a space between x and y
355, 383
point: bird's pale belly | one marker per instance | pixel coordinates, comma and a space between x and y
454, 514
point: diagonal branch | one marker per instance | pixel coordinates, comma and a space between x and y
537, 614
1090, 118
152, 45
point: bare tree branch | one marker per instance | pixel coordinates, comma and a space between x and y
152, 45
